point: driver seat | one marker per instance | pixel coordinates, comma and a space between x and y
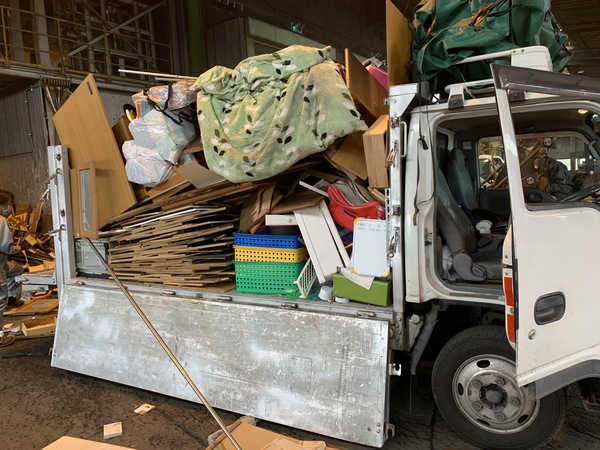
468, 261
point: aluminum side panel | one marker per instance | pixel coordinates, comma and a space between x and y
318, 372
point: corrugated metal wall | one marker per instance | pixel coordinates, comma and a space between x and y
23, 142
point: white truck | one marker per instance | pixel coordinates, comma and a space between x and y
509, 314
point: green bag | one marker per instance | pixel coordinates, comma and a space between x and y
448, 31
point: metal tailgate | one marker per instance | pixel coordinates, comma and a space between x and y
319, 372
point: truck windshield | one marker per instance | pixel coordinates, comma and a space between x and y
555, 165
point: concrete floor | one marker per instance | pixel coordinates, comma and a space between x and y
39, 404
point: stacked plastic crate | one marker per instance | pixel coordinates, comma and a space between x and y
268, 264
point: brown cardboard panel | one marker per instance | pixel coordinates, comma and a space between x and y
376, 153
198, 175
83, 126
172, 186
195, 146
251, 437
256, 207
399, 42
351, 156
297, 202
364, 87
71, 443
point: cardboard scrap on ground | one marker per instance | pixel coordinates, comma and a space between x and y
251, 437
111, 430
71, 443
143, 409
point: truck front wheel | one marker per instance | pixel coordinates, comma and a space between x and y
475, 389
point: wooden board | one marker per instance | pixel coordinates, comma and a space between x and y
320, 242
38, 306
83, 126
399, 42
376, 153
351, 156
364, 87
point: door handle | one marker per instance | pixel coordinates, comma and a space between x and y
549, 308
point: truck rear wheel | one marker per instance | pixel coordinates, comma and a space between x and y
475, 389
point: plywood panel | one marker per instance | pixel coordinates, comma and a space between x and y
364, 87
83, 126
399, 40
374, 140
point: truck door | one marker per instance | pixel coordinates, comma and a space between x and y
555, 251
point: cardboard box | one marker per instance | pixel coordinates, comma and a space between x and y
380, 293
251, 437
376, 152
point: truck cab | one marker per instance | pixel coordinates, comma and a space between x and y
491, 217
514, 238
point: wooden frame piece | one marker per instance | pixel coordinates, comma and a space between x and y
89, 228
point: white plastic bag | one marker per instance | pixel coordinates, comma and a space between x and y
178, 95
157, 131
145, 166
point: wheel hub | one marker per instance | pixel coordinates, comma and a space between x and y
487, 393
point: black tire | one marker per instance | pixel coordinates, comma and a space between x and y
475, 390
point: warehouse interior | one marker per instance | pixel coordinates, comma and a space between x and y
78, 71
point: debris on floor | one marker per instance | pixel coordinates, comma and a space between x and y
71, 443
251, 437
143, 409
112, 430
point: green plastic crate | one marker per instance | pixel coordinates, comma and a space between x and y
267, 277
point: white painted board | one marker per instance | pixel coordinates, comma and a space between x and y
369, 254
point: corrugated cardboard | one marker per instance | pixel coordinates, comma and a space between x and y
250, 437
198, 175
376, 153
71, 443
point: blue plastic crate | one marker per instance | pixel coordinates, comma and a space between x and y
267, 240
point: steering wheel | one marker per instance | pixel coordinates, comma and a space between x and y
592, 190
